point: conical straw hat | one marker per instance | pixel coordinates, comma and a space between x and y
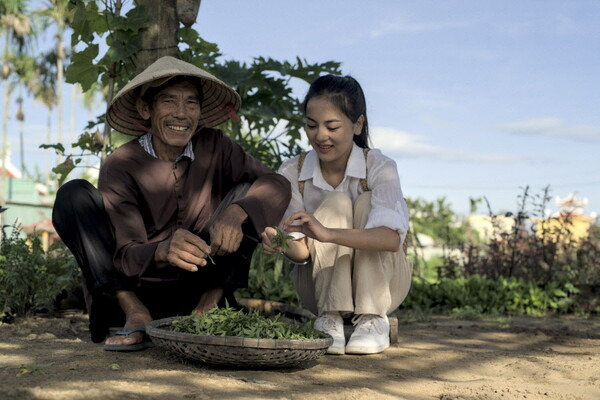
219, 103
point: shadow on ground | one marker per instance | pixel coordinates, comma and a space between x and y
443, 358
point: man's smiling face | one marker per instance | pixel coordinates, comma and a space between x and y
174, 117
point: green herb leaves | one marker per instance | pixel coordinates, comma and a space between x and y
230, 322
281, 240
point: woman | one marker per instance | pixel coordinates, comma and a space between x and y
349, 219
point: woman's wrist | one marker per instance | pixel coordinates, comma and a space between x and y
297, 262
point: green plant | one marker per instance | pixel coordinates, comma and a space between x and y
230, 322
466, 296
271, 122
538, 250
30, 278
281, 239
269, 279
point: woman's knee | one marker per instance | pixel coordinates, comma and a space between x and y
337, 201
335, 211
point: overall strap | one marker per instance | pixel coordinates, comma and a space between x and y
363, 182
300, 163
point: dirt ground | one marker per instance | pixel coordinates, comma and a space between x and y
441, 358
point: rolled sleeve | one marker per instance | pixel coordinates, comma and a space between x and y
388, 207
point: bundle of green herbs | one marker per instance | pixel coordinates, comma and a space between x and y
230, 322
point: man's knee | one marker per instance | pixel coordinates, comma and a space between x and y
75, 191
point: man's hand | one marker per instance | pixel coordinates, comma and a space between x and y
226, 232
184, 250
267, 241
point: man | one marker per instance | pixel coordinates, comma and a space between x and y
184, 204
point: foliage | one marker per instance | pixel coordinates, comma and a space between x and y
435, 219
538, 252
531, 269
270, 279
506, 296
30, 278
92, 26
281, 239
271, 121
271, 124
230, 322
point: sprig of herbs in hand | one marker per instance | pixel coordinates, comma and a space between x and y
280, 239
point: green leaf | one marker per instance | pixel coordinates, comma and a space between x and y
63, 169
82, 69
281, 239
58, 147
559, 293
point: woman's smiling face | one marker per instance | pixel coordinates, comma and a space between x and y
330, 132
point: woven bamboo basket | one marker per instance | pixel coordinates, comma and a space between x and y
235, 351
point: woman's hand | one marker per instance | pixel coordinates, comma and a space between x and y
307, 224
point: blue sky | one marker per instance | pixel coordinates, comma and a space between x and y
470, 98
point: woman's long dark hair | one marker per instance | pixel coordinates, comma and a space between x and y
347, 95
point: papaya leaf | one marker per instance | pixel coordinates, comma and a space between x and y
82, 69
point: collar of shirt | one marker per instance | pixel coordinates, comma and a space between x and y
146, 142
311, 169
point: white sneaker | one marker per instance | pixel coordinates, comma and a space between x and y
332, 323
371, 334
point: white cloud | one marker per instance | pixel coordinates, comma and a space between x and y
401, 25
552, 127
403, 144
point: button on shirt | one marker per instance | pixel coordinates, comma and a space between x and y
146, 143
388, 207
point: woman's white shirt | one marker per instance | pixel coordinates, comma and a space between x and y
388, 207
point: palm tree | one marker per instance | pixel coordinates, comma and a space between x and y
42, 84
57, 13
15, 25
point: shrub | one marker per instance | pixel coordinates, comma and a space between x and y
480, 294
540, 263
30, 278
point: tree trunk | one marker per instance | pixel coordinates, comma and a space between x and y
160, 38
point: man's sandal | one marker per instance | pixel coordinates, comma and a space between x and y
144, 344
